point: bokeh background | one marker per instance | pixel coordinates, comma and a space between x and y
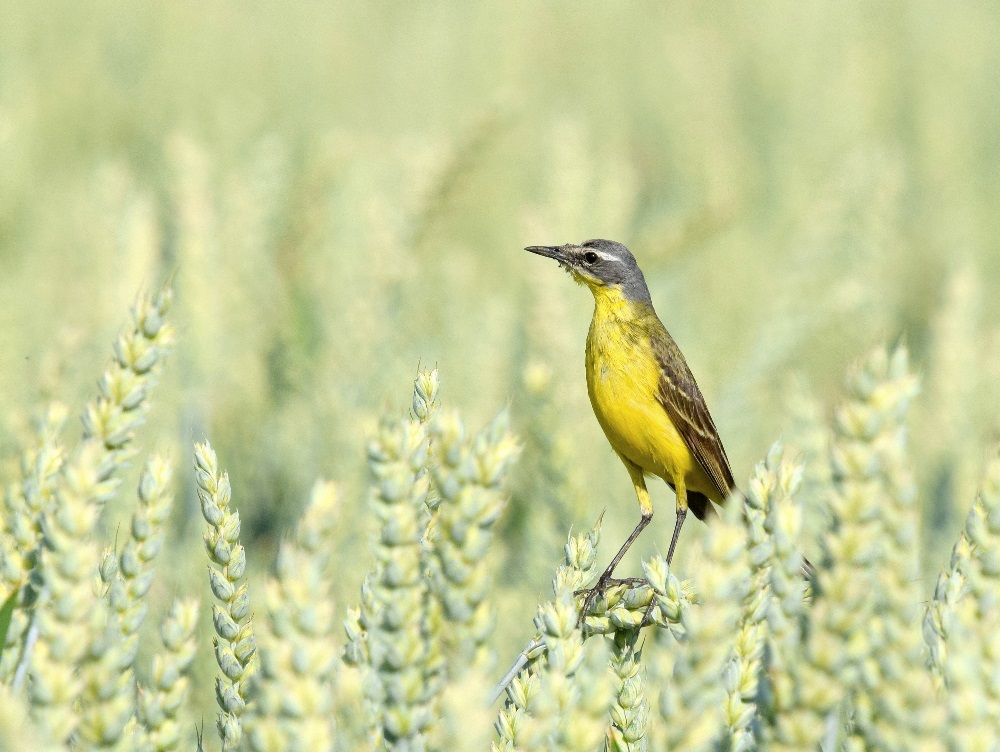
341, 191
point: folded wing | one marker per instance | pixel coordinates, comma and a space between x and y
682, 399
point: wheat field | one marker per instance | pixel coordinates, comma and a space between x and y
297, 452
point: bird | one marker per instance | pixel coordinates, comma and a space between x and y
643, 394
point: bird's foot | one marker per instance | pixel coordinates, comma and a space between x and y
591, 594
606, 581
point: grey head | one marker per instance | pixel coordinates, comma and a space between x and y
599, 263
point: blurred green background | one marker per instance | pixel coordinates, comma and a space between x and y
342, 191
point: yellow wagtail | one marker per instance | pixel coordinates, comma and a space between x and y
643, 393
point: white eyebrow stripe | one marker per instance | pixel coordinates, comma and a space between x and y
607, 256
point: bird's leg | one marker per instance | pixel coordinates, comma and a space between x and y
605, 579
682, 510
681, 514
646, 508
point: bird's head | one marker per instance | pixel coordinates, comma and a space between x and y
600, 265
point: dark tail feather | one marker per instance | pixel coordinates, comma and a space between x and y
700, 505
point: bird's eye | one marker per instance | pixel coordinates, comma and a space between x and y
590, 257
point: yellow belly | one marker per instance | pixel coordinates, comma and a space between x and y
623, 380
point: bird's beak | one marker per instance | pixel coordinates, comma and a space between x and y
549, 251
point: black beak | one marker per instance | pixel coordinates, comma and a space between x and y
549, 251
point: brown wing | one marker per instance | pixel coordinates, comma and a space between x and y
682, 399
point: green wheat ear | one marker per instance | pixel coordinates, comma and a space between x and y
960, 624
107, 704
687, 666
394, 636
567, 713
235, 646
630, 708
469, 478
294, 704
70, 651
25, 502
160, 702
557, 697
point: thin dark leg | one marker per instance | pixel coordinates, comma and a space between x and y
681, 514
605, 578
643, 521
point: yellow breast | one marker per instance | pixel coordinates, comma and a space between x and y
623, 379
